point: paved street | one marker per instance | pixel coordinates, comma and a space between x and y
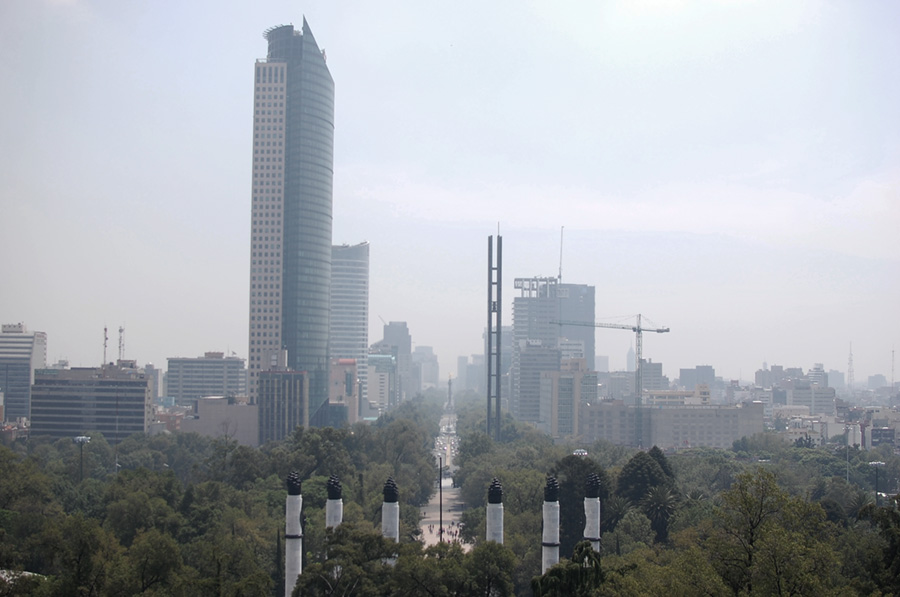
452, 510
445, 447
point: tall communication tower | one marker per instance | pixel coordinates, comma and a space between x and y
495, 285
121, 343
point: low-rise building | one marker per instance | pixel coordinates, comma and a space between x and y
671, 427
343, 390
218, 416
213, 374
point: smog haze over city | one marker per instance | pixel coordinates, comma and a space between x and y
728, 169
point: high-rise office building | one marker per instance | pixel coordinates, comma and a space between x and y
291, 217
349, 335
283, 404
398, 341
426, 368
537, 312
21, 352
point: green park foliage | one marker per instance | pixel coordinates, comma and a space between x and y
187, 515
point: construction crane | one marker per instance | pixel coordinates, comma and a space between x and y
638, 330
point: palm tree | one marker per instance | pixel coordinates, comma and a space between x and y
659, 505
859, 501
613, 510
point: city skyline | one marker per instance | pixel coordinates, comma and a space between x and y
731, 171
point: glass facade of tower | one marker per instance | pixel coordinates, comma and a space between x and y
349, 338
292, 211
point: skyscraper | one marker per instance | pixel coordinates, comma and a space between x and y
290, 265
539, 339
21, 352
349, 336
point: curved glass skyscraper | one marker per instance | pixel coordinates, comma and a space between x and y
290, 270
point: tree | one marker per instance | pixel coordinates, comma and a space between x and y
88, 557
439, 571
887, 519
637, 477
633, 532
613, 511
153, 559
770, 543
473, 446
572, 473
659, 505
357, 564
656, 454
489, 567
575, 577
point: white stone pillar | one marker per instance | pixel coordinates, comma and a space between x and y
293, 534
334, 507
494, 521
592, 511
550, 535
390, 511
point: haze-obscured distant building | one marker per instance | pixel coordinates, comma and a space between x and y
620, 385
562, 394
836, 379
534, 359
877, 381
819, 399
817, 375
213, 374
426, 362
653, 378
539, 337
398, 342
349, 325
112, 399
671, 427
21, 352
699, 375
383, 390
153, 378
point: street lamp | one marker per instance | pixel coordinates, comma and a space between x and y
81, 440
441, 498
877, 464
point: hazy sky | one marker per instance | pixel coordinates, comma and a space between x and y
729, 169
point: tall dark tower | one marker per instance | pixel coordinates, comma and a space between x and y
494, 327
290, 272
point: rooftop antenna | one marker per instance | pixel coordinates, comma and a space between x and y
121, 343
105, 340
